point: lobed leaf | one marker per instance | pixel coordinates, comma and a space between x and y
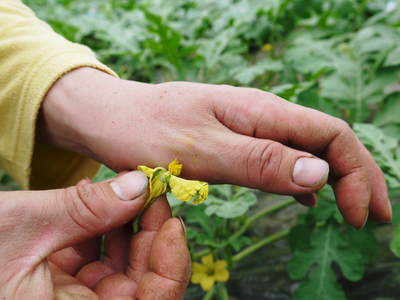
385, 150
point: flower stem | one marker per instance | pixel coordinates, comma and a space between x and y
222, 292
209, 295
266, 241
260, 214
200, 253
250, 222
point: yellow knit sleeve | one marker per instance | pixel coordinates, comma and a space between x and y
32, 58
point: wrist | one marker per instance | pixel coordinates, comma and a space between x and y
69, 109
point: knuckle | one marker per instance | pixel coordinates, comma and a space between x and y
343, 134
263, 162
82, 206
342, 125
257, 94
273, 98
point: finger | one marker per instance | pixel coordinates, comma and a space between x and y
93, 209
62, 218
115, 258
307, 199
265, 116
84, 181
93, 273
70, 260
141, 244
66, 286
380, 207
266, 164
151, 222
116, 247
169, 260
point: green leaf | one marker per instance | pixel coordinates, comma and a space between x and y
327, 245
385, 150
205, 240
299, 237
173, 202
376, 38
221, 191
247, 75
195, 215
326, 209
321, 285
389, 111
308, 53
291, 91
396, 214
236, 205
6, 182
395, 242
240, 242
363, 242
393, 58
104, 173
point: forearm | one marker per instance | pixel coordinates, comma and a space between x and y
68, 115
76, 110
34, 57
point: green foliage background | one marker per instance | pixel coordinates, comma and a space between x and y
338, 56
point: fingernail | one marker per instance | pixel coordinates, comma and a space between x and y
130, 185
183, 225
310, 172
365, 220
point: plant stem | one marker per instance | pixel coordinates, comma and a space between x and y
200, 253
250, 222
209, 295
266, 241
260, 214
222, 292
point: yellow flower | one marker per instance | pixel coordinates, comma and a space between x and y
162, 181
175, 168
208, 272
266, 47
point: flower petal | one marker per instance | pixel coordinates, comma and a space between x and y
158, 182
221, 275
203, 193
207, 283
175, 168
208, 261
198, 277
220, 265
162, 181
198, 268
188, 190
146, 170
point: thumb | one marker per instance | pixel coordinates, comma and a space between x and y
85, 211
61, 218
272, 166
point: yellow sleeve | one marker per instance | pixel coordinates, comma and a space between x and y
32, 58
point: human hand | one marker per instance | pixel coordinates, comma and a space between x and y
224, 134
51, 245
